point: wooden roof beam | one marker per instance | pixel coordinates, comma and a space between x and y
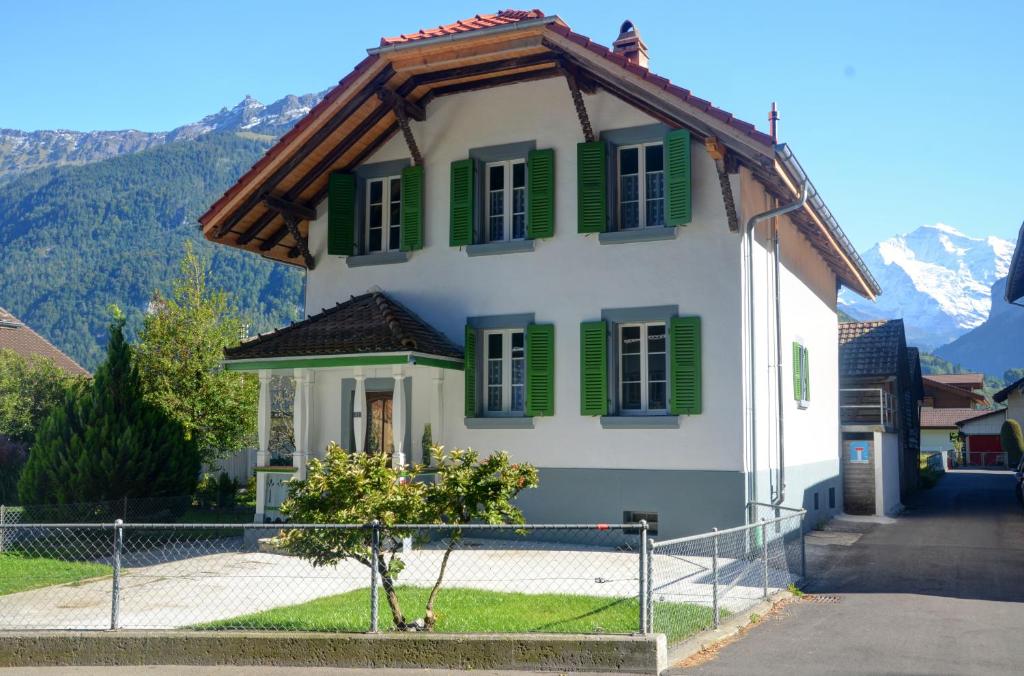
400, 103
290, 208
572, 80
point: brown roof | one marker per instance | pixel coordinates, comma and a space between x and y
976, 379
931, 383
870, 348
948, 417
351, 122
16, 336
366, 324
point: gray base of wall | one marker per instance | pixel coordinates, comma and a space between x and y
802, 483
636, 654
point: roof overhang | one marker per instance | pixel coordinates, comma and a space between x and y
342, 360
1015, 278
355, 119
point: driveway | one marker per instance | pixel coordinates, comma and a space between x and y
939, 591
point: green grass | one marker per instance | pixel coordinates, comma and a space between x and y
20, 573
462, 610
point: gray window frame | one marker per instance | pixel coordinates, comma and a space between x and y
363, 174
519, 150
630, 136
485, 419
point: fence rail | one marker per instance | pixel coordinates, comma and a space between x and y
550, 578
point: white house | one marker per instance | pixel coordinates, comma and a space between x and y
532, 243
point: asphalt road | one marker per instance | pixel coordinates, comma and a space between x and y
941, 591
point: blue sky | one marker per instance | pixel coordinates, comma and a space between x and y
903, 113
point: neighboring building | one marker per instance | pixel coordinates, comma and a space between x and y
531, 242
982, 442
1013, 396
879, 397
948, 400
1015, 276
16, 336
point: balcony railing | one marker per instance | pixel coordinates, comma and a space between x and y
866, 406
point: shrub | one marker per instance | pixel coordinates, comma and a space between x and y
12, 458
1012, 440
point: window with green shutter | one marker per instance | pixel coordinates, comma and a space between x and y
594, 368
463, 193
540, 201
677, 177
540, 370
592, 186
412, 208
469, 371
341, 214
685, 365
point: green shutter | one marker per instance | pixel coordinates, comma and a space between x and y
797, 379
591, 186
685, 366
679, 205
469, 371
540, 199
540, 369
463, 192
807, 375
594, 368
412, 208
341, 214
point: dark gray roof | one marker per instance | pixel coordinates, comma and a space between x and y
871, 348
366, 324
1002, 394
1015, 278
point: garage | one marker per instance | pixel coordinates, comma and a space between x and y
981, 439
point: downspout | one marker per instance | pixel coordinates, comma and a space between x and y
751, 347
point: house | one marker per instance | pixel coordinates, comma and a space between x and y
1015, 275
879, 398
529, 241
16, 336
948, 400
982, 442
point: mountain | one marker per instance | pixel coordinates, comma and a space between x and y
936, 278
25, 151
995, 345
76, 239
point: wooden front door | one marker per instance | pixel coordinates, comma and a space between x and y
378, 423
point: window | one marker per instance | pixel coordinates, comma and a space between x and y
801, 375
505, 192
641, 186
504, 372
643, 368
383, 214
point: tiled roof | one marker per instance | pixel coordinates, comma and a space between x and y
948, 417
366, 324
870, 348
478, 22
16, 336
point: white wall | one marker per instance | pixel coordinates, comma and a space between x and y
568, 279
936, 440
887, 473
1015, 406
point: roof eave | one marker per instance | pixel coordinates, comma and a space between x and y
465, 35
1015, 278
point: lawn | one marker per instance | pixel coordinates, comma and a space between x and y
20, 573
462, 610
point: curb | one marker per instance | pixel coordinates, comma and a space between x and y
727, 629
542, 652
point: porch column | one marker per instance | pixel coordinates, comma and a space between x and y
437, 409
302, 418
263, 434
398, 418
359, 411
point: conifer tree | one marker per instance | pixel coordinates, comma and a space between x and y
105, 442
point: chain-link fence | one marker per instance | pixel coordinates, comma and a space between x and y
597, 578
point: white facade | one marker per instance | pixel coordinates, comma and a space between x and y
572, 278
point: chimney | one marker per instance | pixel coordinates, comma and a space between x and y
631, 45
773, 123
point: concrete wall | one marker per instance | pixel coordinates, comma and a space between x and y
936, 439
887, 474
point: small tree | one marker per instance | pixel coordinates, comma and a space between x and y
29, 388
1012, 440
179, 353
105, 442
361, 488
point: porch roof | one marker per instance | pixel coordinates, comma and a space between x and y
369, 325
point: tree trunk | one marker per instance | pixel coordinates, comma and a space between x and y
429, 618
389, 591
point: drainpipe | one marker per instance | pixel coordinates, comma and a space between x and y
751, 348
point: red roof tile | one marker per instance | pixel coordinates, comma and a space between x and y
23, 341
480, 21
948, 417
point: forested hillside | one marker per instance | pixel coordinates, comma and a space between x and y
77, 239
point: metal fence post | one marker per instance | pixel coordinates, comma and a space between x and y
3, 533
649, 604
803, 549
642, 588
764, 554
374, 559
714, 578
115, 595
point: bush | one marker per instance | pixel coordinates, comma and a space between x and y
12, 459
1012, 440
104, 442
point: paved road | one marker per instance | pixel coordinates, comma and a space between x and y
941, 591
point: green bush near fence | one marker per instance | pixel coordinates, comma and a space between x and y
21, 573
461, 610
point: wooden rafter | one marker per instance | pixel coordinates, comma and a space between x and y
290, 208
403, 110
572, 79
300, 240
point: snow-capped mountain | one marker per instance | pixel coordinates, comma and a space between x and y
24, 151
936, 278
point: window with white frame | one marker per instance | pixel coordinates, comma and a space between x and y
504, 372
505, 191
643, 368
383, 214
641, 185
